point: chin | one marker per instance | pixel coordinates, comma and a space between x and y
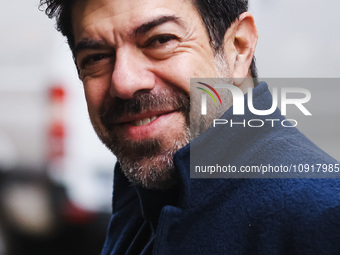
155, 173
149, 163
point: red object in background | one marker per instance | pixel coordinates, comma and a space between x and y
74, 214
57, 93
56, 141
57, 132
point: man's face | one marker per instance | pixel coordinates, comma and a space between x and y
136, 59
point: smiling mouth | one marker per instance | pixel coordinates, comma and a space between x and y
144, 121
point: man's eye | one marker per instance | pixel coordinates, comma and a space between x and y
159, 41
96, 64
97, 57
92, 59
164, 39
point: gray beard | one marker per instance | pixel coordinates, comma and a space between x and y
146, 163
153, 170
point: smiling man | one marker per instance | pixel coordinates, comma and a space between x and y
135, 59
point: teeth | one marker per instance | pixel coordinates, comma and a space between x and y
138, 123
144, 121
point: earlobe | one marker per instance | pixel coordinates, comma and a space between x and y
240, 43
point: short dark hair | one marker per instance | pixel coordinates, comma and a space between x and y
217, 16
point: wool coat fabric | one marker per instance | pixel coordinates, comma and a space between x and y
248, 215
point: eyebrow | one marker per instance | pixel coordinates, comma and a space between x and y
144, 28
87, 43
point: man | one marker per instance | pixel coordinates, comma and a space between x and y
135, 59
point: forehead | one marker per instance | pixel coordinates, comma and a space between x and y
123, 15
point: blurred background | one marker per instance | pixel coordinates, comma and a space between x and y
55, 175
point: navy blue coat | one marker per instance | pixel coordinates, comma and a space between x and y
233, 215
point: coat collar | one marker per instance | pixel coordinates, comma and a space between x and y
229, 145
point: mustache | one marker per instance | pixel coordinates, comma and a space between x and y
144, 101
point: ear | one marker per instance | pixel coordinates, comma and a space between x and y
239, 45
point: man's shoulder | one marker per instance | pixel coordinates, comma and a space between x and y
305, 210
306, 195
289, 146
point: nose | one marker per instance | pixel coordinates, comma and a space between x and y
131, 74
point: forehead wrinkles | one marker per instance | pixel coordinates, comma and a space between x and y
103, 7
114, 20
91, 15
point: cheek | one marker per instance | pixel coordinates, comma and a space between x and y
176, 72
177, 77
95, 94
179, 70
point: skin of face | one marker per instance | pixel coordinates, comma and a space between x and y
135, 59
